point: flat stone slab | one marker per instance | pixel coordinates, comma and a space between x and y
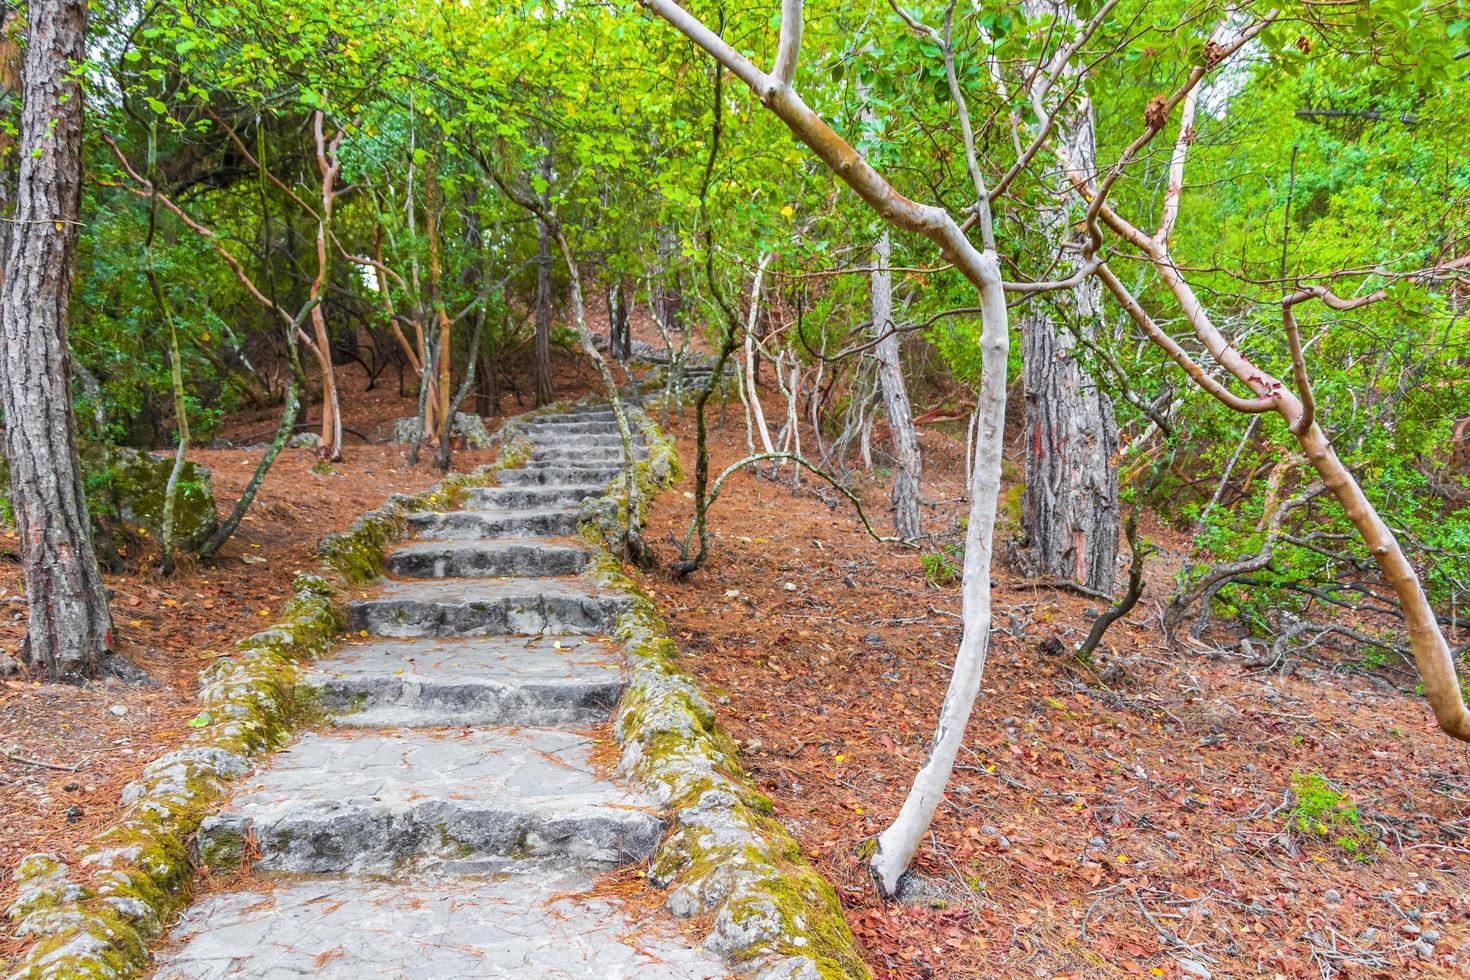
458, 799
569, 427
583, 455
547, 475
488, 498
537, 925
492, 680
551, 437
461, 524
471, 607
497, 556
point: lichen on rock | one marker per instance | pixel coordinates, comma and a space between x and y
139, 483
726, 857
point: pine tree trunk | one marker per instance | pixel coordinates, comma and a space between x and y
544, 391
1071, 498
70, 630
909, 470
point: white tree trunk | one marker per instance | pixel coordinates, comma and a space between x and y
909, 469
898, 844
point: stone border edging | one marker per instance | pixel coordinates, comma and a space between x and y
725, 856
141, 865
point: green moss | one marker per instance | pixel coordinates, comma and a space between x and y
685, 757
139, 482
223, 848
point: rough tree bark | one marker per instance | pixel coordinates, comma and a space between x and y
1071, 498
544, 391
69, 634
619, 334
909, 470
1070, 501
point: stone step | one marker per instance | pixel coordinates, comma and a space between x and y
594, 427
470, 607
596, 458
589, 439
456, 525
576, 463
494, 557
488, 498
527, 923
491, 680
460, 800
575, 415
556, 475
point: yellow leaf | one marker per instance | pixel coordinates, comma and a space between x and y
788, 211
264, 612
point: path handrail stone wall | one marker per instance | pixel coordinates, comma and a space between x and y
726, 856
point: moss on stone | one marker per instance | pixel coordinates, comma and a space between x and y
767, 900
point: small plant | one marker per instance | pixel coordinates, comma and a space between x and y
1320, 811
940, 569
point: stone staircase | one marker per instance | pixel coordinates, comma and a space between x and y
453, 819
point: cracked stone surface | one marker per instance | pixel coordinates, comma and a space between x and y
531, 497
534, 680
493, 557
470, 524
537, 925
334, 802
449, 607
455, 791
546, 475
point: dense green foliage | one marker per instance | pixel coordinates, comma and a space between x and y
1330, 149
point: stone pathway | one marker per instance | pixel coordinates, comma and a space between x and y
452, 821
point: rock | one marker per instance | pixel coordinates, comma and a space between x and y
1193, 968
1332, 896
919, 891
1171, 835
305, 440
1430, 936
139, 481
9, 666
119, 710
470, 427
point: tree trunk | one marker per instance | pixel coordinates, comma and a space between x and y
619, 339
1070, 500
909, 470
1071, 497
544, 392
69, 633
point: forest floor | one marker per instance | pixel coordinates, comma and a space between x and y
1132, 816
